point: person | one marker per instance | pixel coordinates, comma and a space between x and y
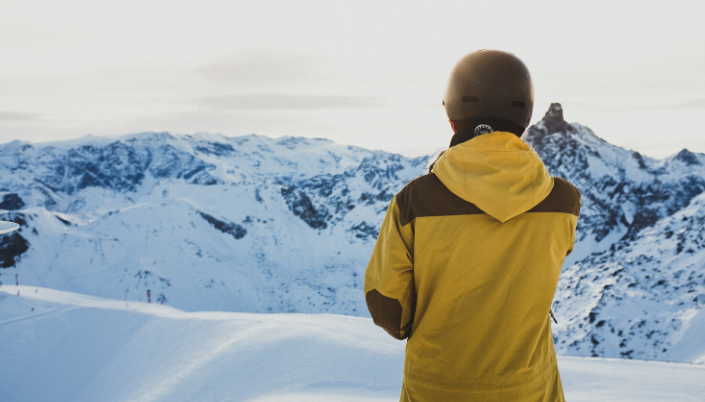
468, 257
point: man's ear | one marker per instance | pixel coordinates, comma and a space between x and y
452, 125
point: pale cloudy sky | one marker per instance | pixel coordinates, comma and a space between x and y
367, 73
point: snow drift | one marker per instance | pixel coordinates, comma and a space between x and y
59, 346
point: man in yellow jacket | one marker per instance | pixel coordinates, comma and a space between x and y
468, 257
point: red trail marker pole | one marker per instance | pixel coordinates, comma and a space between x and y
149, 297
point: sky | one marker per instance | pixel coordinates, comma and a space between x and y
366, 73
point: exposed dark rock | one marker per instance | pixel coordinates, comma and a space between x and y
11, 202
215, 148
380, 170
640, 159
363, 230
553, 119
64, 221
594, 340
12, 246
687, 157
300, 204
233, 229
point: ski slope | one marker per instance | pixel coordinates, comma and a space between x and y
60, 346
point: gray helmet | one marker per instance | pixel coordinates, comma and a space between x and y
490, 84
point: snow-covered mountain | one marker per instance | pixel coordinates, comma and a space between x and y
622, 191
254, 224
635, 285
204, 222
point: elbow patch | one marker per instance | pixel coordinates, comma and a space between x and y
386, 313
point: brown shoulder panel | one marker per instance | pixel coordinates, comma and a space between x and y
427, 196
385, 312
563, 198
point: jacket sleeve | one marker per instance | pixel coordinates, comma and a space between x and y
389, 280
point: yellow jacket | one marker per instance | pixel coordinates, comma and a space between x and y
466, 265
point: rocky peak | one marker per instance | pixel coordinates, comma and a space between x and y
687, 157
553, 119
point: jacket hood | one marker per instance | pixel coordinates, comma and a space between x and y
497, 172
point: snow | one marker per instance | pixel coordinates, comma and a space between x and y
287, 225
629, 210
7, 227
61, 346
640, 299
590, 246
307, 212
691, 342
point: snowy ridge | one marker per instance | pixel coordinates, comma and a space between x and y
261, 225
630, 289
60, 346
622, 191
205, 222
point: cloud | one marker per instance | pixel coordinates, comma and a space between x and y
698, 103
694, 103
259, 67
18, 116
285, 101
267, 80
682, 104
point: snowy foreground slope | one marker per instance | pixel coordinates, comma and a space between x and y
59, 346
261, 225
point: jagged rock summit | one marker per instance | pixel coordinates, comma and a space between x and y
553, 119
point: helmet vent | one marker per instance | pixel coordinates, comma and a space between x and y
483, 129
467, 99
519, 104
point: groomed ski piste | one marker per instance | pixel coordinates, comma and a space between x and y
61, 346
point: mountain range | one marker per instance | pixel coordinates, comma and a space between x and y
254, 224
